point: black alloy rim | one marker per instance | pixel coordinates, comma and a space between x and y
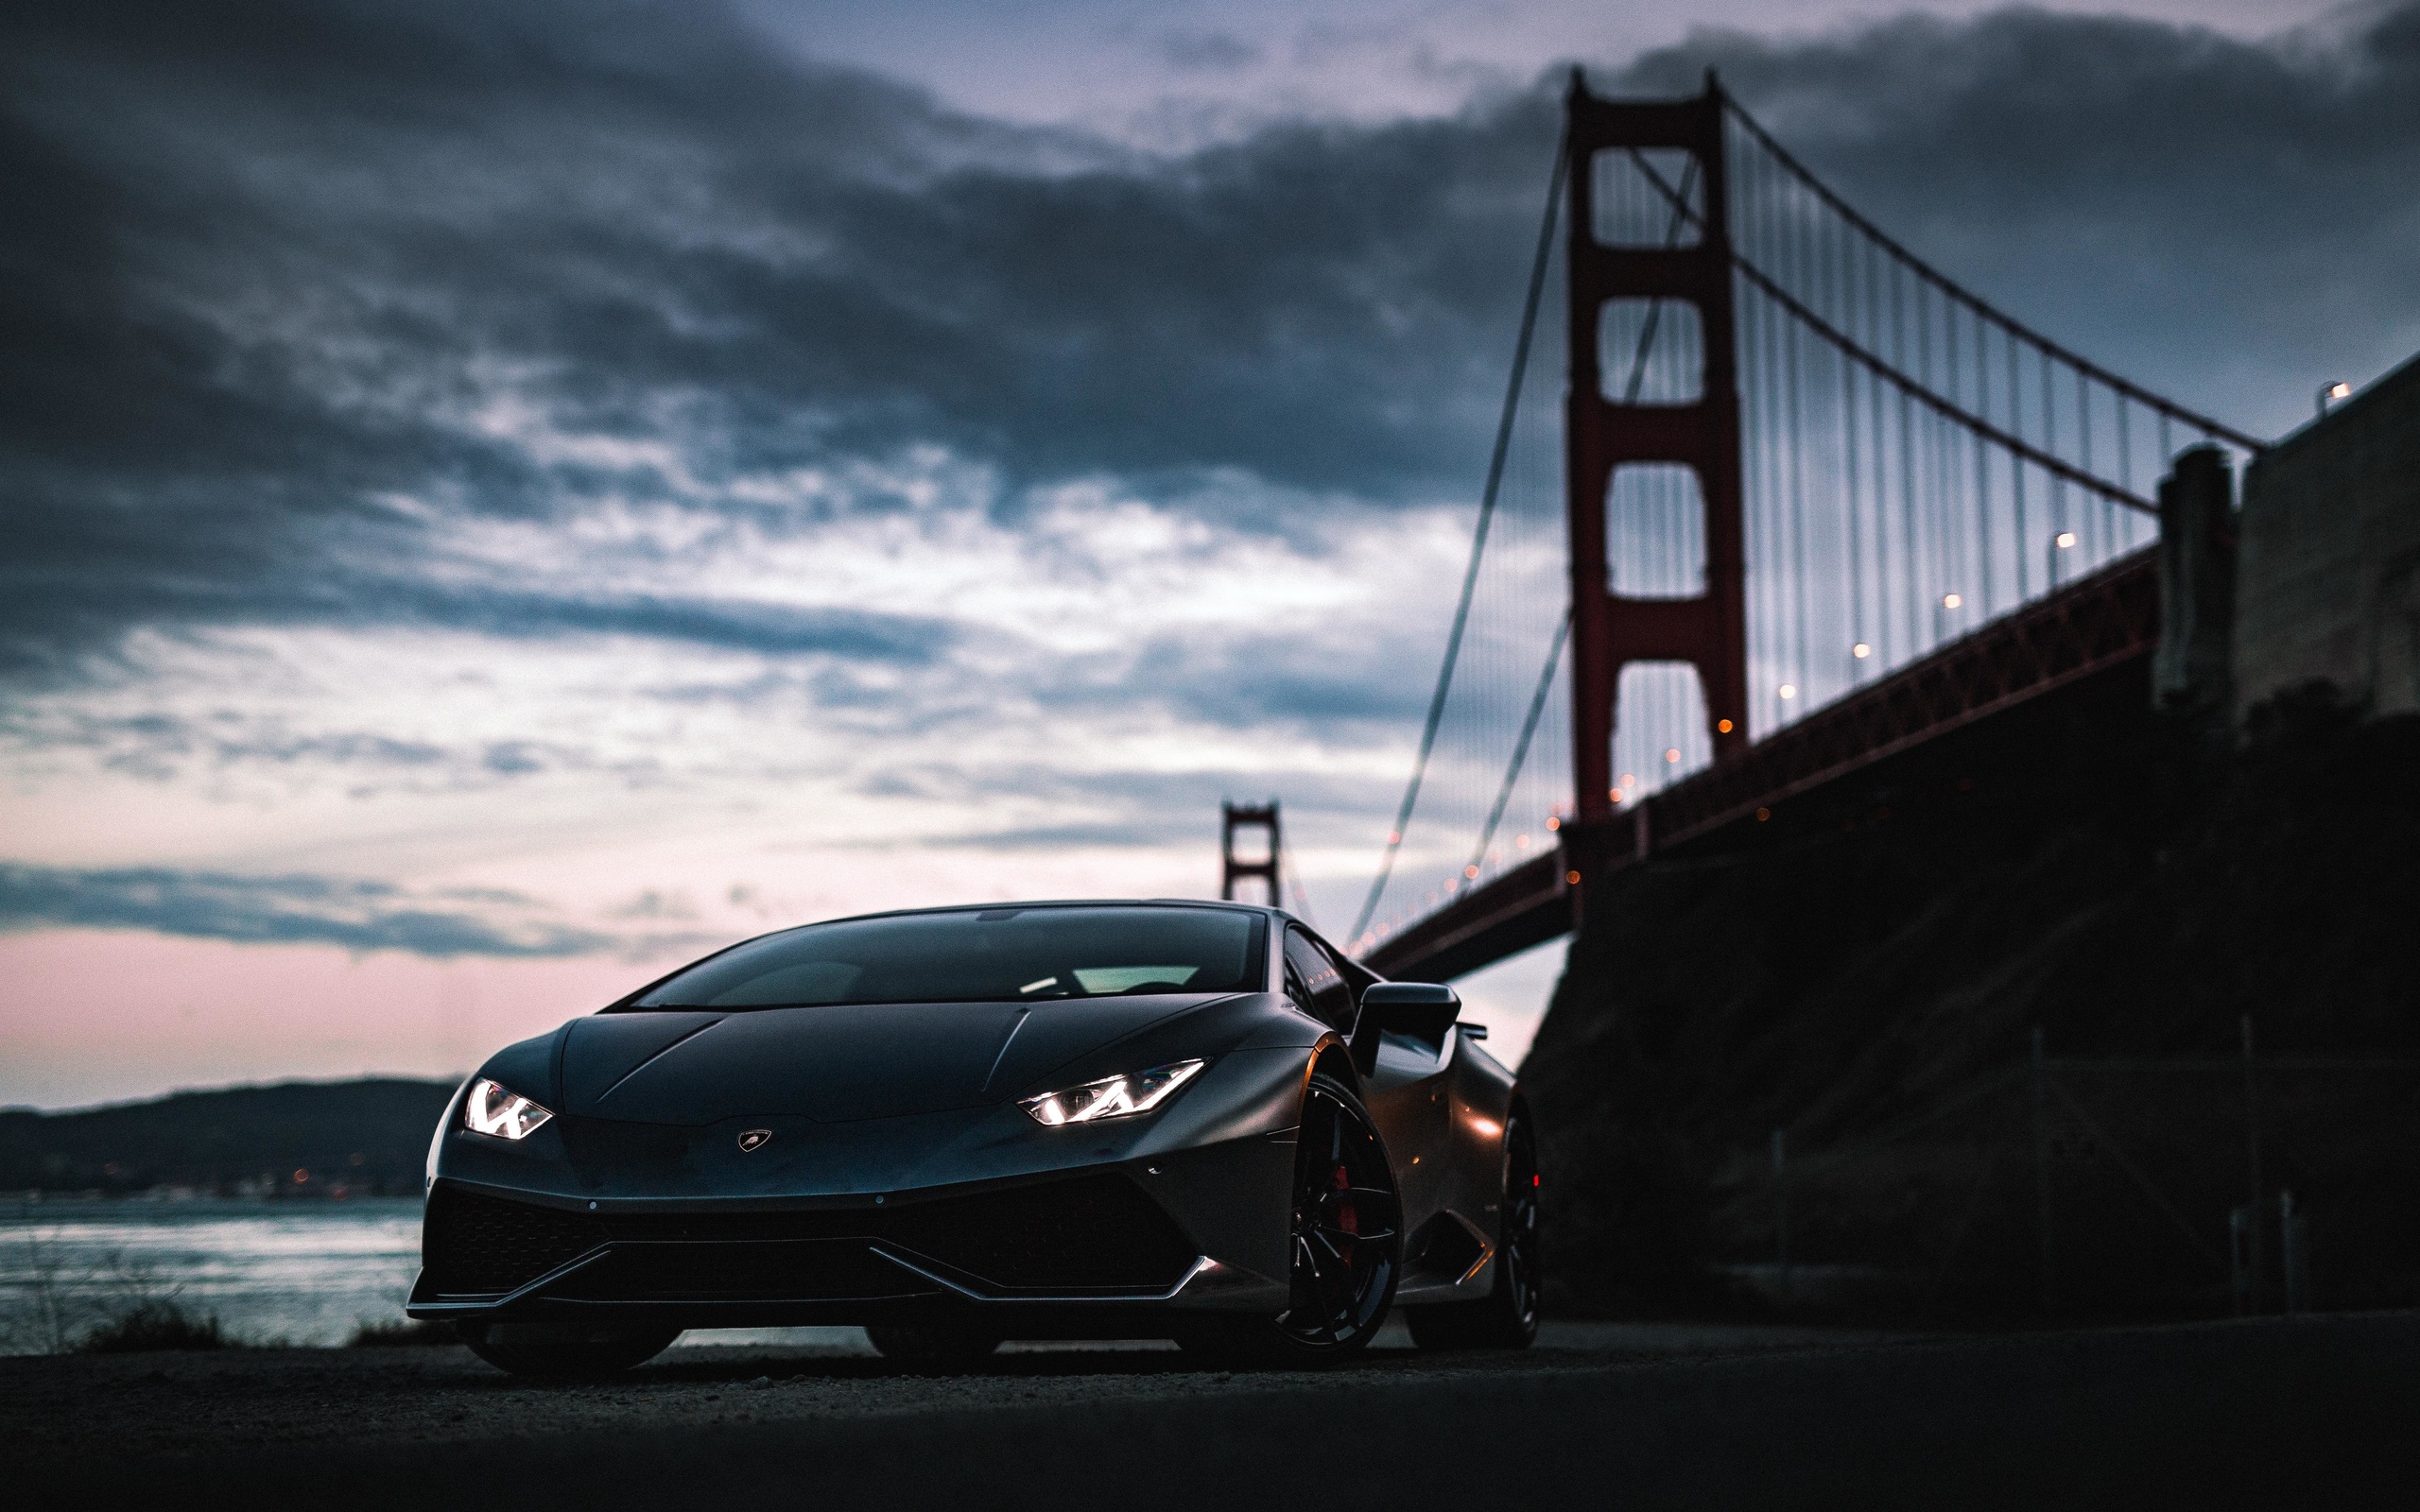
1345, 1218
1520, 1249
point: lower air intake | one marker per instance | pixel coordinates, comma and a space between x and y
1091, 1234
476, 1246
1095, 1232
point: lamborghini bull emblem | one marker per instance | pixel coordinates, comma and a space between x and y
754, 1140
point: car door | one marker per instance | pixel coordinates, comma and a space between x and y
1405, 1087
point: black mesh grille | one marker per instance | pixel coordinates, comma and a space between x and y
1091, 1233
1095, 1231
837, 1223
476, 1246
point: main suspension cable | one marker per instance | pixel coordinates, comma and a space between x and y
1521, 747
1915, 389
2165, 408
1478, 537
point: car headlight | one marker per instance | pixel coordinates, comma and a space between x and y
504, 1114
1112, 1096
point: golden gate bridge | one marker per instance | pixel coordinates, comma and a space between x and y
1806, 505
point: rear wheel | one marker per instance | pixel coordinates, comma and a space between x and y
1507, 1317
566, 1348
930, 1344
1347, 1245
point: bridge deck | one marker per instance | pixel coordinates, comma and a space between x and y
2091, 626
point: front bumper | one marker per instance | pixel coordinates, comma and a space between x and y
1097, 1251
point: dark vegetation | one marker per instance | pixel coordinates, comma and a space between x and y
152, 1325
1865, 972
370, 1137
391, 1333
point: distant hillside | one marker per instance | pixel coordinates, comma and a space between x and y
370, 1136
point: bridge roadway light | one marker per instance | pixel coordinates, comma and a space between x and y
1941, 616
2332, 392
1860, 650
1673, 754
1787, 690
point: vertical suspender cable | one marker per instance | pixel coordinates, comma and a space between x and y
1760, 552
1984, 469
1929, 461
1910, 552
2050, 447
1797, 470
1881, 462
1953, 532
2125, 456
1521, 747
2083, 443
2017, 471
1848, 448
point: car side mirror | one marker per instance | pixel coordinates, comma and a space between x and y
1421, 1010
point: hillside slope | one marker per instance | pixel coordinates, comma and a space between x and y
369, 1135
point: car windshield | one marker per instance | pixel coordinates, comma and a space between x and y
996, 954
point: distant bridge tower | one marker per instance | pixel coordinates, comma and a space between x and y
1233, 868
1603, 434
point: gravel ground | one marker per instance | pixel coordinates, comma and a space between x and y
205, 1403
2277, 1412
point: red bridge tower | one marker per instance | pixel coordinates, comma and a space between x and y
1602, 435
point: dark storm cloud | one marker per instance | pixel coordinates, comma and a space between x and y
2234, 221
268, 267
164, 747
160, 747
772, 629
284, 910
266, 263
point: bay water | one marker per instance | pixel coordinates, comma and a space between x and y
270, 1272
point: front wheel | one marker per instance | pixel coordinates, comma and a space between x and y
1347, 1245
566, 1348
1507, 1316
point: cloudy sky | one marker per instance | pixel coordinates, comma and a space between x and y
500, 497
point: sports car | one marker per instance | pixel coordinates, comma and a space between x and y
956, 1126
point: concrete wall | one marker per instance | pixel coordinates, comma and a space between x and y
2328, 573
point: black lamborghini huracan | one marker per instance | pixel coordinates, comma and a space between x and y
961, 1125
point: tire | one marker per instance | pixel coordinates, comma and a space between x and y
931, 1344
565, 1350
1507, 1316
1347, 1221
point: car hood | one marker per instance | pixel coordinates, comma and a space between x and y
836, 1063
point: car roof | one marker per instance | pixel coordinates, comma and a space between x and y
1058, 902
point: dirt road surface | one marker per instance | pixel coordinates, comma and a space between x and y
2282, 1414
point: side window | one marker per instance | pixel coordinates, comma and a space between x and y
1296, 987
1316, 982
